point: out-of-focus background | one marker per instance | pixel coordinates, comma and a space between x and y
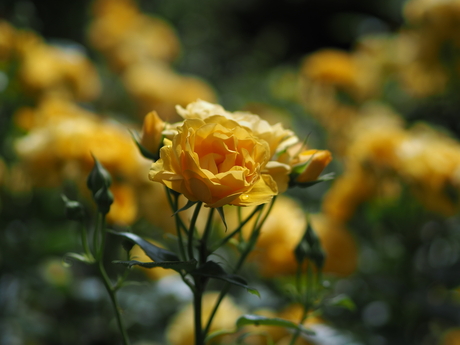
374, 82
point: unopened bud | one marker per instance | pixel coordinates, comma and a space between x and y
98, 178
315, 161
152, 132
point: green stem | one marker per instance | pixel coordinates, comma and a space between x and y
204, 240
175, 206
106, 280
250, 245
84, 241
191, 230
229, 236
197, 304
113, 299
96, 236
309, 297
102, 237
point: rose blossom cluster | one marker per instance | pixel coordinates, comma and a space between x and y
222, 158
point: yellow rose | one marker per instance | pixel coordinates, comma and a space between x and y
278, 138
216, 161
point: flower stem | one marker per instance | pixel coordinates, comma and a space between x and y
175, 206
308, 301
204, 240
84, 241
238, 229
250, 245
197, 300
191, 230
100, 229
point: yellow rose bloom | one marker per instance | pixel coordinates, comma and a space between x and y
216, 161
277, 137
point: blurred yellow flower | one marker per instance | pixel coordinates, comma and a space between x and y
59, 145
155, 85
7, 40
216, 161
451, 337
127, 37
330, 66
181, 330
64, 71
124, 207
274, 252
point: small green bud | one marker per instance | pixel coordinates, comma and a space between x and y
73, 209
310, 248
98, 178
104, 199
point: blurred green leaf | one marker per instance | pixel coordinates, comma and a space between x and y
258, 320
343, 301
79, 257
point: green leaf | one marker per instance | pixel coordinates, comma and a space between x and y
343, 301
213, 270
218, 333
175, 265
78, 257
144, 152
258, 320
154, 252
